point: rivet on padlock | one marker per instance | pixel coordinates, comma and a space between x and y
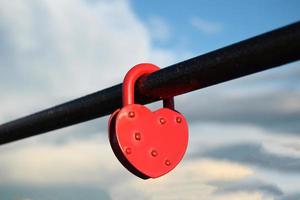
148, 143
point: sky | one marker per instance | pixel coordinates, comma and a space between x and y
244, 135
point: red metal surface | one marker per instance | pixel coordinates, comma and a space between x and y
153, 142
149, 144
131, 77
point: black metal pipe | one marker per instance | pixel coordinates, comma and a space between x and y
262, 52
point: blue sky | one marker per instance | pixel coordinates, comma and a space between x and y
230, 21
244, 134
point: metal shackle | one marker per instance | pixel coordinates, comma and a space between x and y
129, 83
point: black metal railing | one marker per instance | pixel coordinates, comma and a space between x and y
259, 53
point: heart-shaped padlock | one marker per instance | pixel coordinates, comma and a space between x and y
149, 144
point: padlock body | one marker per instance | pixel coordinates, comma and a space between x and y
153, 143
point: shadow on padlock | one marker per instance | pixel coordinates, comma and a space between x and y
117, 150
147, 143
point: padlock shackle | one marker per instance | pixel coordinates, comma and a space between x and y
132, 76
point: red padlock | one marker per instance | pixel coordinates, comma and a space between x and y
149, 144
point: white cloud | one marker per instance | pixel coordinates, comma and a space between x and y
77, 162
159, 29
242, 196
206, 26
90, 161
190, 180
213, 135
58, 50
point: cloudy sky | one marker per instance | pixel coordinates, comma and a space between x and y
244, 134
